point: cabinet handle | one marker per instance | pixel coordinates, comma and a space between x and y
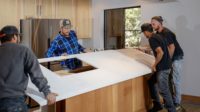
37, 10
40, 10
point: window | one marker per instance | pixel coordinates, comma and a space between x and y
132, 27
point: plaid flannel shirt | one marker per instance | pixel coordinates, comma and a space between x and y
70, 45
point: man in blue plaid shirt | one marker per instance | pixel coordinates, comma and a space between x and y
66, 43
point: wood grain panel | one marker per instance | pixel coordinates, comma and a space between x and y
28, 9
9, 13
192, 99
83, 18
128, 96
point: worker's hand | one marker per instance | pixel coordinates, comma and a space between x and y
51, 98
64, 54
153, 68
88, 50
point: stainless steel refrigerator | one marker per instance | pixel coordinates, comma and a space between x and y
38, 33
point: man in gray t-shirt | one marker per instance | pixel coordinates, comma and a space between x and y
17, 63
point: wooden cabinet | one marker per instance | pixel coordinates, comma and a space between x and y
9, 12
115, 22
128, 96
83, 18
65, 9
37, 8
114, 29
78, 11
28, 9
46, 9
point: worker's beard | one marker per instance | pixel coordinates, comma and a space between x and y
66, 34
157, 28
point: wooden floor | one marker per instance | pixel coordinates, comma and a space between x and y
189, 107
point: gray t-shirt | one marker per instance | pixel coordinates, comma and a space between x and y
17, 63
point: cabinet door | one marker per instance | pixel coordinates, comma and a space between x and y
29, 9
9, 11
65, 10
118, 22
83, 18
46, 9
114, 29
37, 8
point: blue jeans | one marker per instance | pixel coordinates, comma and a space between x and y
15, 104
177, 67
153, 87
158, 83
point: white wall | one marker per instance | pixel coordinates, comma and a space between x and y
181, 16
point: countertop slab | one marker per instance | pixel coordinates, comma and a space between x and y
113, 66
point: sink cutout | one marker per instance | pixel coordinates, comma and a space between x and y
58, 69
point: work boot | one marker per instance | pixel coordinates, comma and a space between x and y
157, 106
179, 108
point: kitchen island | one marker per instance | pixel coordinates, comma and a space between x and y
118, 84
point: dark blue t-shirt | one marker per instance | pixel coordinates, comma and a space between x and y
157, 41
171, 39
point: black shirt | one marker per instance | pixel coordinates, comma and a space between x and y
157, 41
171, 39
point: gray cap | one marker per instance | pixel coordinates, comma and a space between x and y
65, 23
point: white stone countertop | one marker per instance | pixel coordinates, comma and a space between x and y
113, 66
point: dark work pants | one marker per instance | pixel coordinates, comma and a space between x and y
15, 104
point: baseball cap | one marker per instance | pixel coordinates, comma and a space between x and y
8, 30
146, 27
65, 23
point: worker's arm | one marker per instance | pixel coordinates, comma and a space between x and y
171, 49
170, 43
158, 57
80, 47
32, 67
53, 47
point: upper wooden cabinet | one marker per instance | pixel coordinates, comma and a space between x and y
46, 8
83, 18
29, 9
37, 8
9, 13
65, 9
78, 11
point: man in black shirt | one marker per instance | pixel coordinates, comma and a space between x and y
176, 54
161, 67
17, 64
